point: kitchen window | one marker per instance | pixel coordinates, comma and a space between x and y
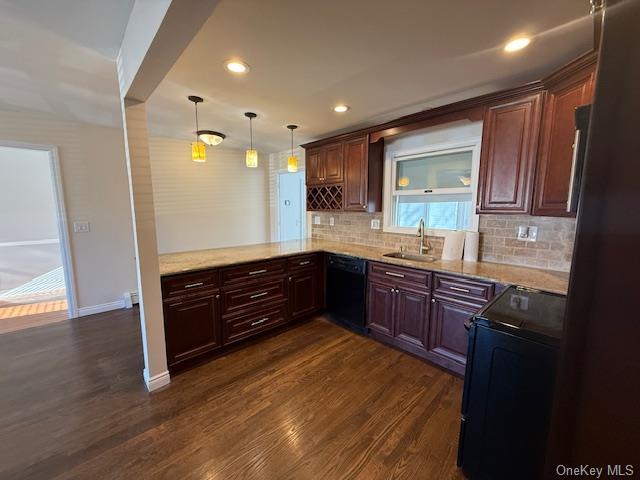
437, 183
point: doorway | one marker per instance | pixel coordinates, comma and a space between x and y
291, 216
35, 278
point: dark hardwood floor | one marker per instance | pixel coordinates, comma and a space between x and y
314, 402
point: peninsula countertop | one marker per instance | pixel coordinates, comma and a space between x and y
547, 280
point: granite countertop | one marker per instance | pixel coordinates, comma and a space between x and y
547, 280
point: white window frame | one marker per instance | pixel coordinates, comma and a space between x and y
392, 158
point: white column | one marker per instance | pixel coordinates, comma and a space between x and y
136, 136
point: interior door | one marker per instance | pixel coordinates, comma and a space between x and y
291, 206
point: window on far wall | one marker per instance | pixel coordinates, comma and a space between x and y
437, 183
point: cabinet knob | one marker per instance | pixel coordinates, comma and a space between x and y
218, 296
433, 300
364, 206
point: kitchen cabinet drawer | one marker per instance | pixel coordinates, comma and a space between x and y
302, 262
473, 290
242, 298
253, 271
250, 324
189, 283
393, 275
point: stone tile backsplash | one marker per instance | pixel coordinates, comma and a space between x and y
498, 242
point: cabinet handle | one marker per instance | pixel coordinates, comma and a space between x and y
258, 322
433, 300
458, 289
306, 262
256, 272
259, 295
191, 285
393, 274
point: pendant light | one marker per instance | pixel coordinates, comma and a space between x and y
208, 137
251, 157
198, 149
292, 161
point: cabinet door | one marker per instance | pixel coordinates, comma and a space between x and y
304, 289
447, 335
509, 147
380, 308
192, 327
332, 163
556, 144
412, 317
355, 175
313, 166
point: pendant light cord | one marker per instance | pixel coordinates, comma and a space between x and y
250, 133
196, 104
292, 142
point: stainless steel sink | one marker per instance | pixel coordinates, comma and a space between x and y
411, 256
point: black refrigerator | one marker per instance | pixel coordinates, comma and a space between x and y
511, 368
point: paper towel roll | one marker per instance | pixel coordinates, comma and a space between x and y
453, 245
471, 240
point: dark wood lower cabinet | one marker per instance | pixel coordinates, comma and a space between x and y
406, 308
192, 327
447, 333
304, 292
206, 311
412, 317
380, 300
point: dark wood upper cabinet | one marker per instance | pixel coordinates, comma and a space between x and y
507, 160
312, 166
557, 138
356, 170
345, 175
332, 163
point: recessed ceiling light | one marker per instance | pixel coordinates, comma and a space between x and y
341, 108
236, 66
516, 44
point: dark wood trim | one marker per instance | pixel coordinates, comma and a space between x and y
469, 104
472, 114
571, 69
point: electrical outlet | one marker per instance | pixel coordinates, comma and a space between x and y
533, 234
81, 227
375, 224
527, 234
332, 221
316, 220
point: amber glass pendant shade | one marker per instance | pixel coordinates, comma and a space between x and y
198, 152
251, 158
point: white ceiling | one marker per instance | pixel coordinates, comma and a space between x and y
382, 58
58, 57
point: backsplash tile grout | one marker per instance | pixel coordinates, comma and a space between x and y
498, 242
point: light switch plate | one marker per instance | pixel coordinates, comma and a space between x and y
81, 227
375, 224
316, 220
332, 221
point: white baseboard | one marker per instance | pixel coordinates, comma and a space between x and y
103, 307
130, 299
157, 381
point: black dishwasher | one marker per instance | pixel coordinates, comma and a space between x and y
346, 288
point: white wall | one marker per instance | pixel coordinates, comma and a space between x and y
96, 189
219, 203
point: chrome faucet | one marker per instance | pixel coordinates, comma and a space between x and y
422, 249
